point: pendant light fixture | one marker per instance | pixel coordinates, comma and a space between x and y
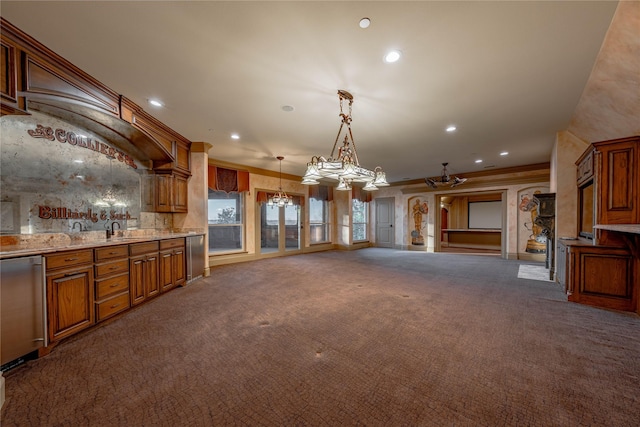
280, 199
345, 168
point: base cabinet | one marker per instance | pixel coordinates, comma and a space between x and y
143, 271
602, 276
87, 286
112, 281
172, 264
70, 293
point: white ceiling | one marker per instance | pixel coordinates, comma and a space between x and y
508, 74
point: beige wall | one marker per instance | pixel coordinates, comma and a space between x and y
567, 149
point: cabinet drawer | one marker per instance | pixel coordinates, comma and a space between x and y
171, 243
112, 252
120, 266
68, 259
112, 286
143, 248
112, 306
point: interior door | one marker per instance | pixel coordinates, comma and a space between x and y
384, 222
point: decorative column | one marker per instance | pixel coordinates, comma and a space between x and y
197, 217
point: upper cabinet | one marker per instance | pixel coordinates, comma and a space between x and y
618, 180
608, 179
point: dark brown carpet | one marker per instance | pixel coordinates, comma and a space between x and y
374, 337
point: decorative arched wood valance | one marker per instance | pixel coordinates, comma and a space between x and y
38, 79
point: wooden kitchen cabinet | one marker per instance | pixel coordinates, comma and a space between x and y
172, 263
70, 293
600, 275
165, 192
617, 180
143, 271
601, 267
111, 281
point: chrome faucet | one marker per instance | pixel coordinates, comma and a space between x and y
78, 224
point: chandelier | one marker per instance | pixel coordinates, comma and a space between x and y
345, 168
280, 199
445, 179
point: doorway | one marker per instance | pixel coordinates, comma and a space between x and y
472, 223
280, 229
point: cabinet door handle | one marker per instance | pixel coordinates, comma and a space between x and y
113, 268
113, 253
70, 259
114, 305
114, 285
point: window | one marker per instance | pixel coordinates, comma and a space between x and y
360, 213
319, 221
226, 225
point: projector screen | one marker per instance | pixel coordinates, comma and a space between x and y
485, 215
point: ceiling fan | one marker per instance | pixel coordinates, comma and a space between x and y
445, 179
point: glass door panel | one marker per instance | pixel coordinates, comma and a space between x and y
280, 229
269, 228
292, 228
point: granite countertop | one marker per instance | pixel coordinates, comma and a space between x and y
15, 246
622, 228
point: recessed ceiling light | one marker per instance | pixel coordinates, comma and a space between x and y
479, 161
504, 153
451, 128
78, 161
287, 108
235, 136
365, 22
155, 103
392, 56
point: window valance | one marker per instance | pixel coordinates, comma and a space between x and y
358, 193
321, 192
227, 180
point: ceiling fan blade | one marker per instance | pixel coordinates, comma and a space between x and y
431, 183
457, 181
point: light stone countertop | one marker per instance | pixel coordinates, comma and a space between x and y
15, 246
621, 228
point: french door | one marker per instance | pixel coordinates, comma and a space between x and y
280, 229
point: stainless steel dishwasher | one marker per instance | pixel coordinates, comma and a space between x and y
22, 310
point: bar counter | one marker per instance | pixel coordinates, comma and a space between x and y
21, 245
